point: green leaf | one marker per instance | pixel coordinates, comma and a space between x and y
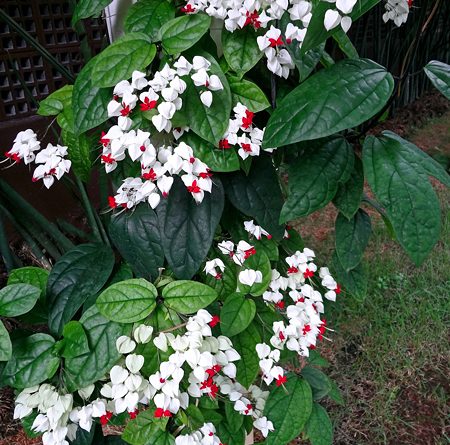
178, 35
144, 431
118, 61
317, 33
288, 407
148, 16
5, 344
55, 102
349, 194
32, 361
77, 275
241, 50
248, 366
229, 437
89, 102
257, 195
195, 416
236, 314
398, 175
248, 94
187, 229
88, 8
419, 159
234, 418
319, 429
335, 394
334, 99
353, 281
137, 238
188, 297
30, 275
260, 262
128, 301
352, 237
209, 123
18, 299
320, 383
216, 159
79, 152
317, 360
92, 366
439, 74
314, 177
345, 44
75, 340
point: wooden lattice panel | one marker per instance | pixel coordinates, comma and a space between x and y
23, 72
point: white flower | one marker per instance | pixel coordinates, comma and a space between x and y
206, 98
263, 425
332, 19
250, 277
143, 333
134, 362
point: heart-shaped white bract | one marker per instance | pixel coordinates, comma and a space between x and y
345, 6
332, 19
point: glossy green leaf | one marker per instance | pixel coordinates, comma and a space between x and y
89, 102
349, 194
317, 33
80, 152
216, 159
55, 102
92, 366
18, 299
32, 362
259, 262
248, 94
128, 301
335, 394
188, 297
288, 407
75, 340
118, 61
5, 344
319, 429
178, 35
353, 281
314, 177
88, 8
257, 195
136, 236
318, 381
398, 175
148, 16
209, 123
30, 275
236, 314
144, 431
334, 99
245, 344
77, 275
229, 437
187, 229
352, 237
241, 50
439, 74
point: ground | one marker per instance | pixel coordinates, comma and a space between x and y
389, 353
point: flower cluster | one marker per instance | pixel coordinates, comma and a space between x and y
242, 132
54, 411
206, 435
397, 11
237, 14
340, 15
51, 161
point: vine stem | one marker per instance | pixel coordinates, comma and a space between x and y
174, 328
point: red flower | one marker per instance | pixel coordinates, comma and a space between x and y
151, 175
224, 144
112, 202
338, 289
274, 43
148, 104
247, 120
292, 269
281, 379
194, 188
104, 141
308, 273
188, 9
106, 417
215, 320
